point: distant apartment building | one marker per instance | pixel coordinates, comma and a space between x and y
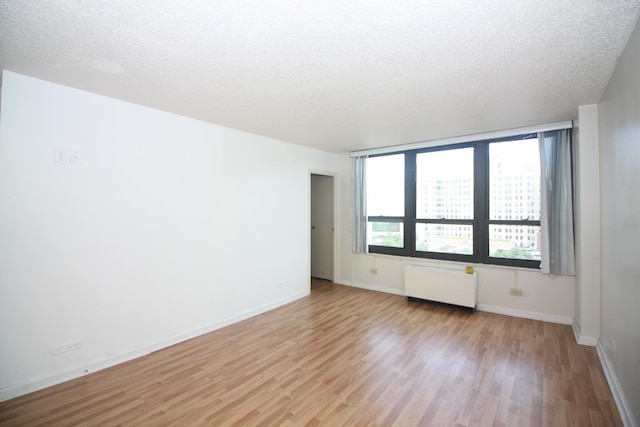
514, 195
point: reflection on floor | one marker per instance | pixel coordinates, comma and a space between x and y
319, 283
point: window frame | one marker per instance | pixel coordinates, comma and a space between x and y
481, 211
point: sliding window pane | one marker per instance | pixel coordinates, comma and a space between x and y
514, 180
514, 241
385, 185
445, 238
444, 184
389, 234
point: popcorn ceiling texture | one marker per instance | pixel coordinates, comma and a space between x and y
334, 75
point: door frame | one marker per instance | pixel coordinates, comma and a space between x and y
336, 231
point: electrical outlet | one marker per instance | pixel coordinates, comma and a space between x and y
373, 270
515, 292
60, 155
63, 348
75, 158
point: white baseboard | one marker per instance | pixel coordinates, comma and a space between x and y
564, 320
618, 395
168, 342
525, 314
583, 339
369, 287
68, 374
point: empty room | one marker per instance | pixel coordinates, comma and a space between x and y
413, 213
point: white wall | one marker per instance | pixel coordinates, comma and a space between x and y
587, 225
545, 298
619, 138
169, 227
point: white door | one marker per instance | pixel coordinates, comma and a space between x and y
322, 227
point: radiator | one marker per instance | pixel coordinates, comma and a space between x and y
441, 285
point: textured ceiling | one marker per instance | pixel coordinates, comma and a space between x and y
335, 75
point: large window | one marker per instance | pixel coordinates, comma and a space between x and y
474, 202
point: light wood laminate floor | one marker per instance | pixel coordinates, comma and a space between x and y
345, 356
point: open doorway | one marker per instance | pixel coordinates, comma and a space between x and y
322, 226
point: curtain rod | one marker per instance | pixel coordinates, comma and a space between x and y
466, 138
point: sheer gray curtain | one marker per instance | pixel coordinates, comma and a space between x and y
557, 246
359, 182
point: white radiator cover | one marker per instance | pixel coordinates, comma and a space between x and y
441, 285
